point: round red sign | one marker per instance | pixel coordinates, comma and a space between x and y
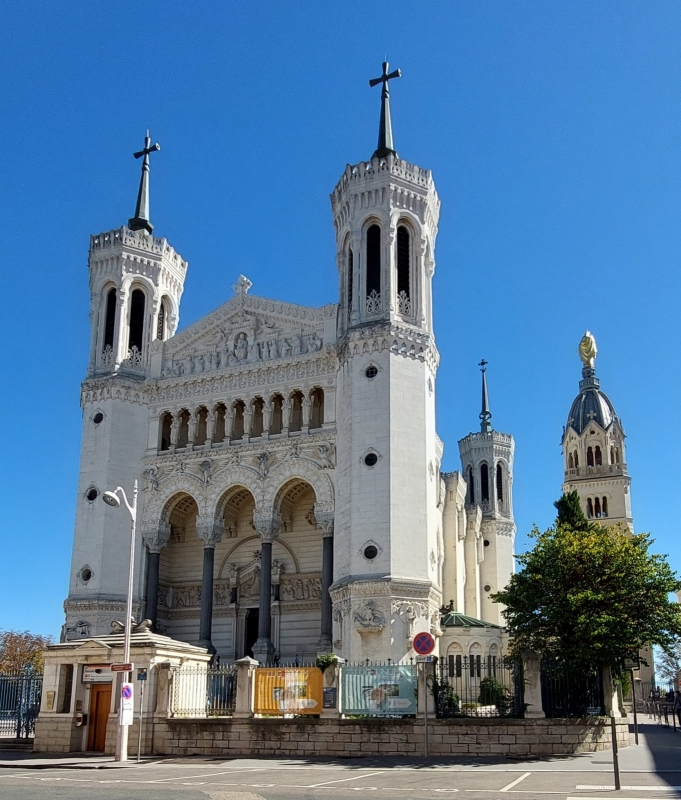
424, 643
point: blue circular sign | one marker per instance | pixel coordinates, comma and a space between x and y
424, 643
126, 692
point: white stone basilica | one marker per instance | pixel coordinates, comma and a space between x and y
291, 500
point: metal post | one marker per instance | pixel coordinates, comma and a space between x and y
425, 710
615, 755
633, 694
139, 733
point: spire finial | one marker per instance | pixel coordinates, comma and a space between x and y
140, 222
588, 350
385, 128
485, 414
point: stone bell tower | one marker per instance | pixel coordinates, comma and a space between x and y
593, 449
387, 525
136, 283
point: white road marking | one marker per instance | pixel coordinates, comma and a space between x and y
581, 787
344, 780
515, 782
214, 775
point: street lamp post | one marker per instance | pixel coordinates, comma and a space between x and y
112, 499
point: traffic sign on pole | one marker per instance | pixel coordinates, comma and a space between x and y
127, 704
424, 643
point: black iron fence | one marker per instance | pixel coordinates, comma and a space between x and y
19, 704
570, 691
478, 686
203, 692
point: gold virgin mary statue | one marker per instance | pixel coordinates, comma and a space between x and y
587, 349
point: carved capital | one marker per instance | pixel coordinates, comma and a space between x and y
156, 536
324, 520
209, 530
267, 525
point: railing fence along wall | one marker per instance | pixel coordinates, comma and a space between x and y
570, 691
20, 695
475, 686
198, 691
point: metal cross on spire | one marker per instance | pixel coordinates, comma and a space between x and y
385, 128
140, 222
485, 414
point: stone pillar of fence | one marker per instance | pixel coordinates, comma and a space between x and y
161, 691
331, 687
532, 678
610, 694
245, 685
426, 677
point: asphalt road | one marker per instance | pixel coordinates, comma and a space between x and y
649, 772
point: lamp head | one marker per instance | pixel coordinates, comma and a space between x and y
111, 499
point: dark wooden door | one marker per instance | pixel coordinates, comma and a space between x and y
251, 637
100, 705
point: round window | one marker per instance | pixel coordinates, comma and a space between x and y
371, 459
98, 417
85, 574
487, 587
92, 494
370, 552
486, 542
371, 372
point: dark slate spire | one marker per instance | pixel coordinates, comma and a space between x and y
385, 128
140, 222
485, 414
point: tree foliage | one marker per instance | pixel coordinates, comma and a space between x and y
589, 594
22, 650
668, 662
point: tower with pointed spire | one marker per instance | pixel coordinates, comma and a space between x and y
136, 282
388, 525
486, 560
593, 448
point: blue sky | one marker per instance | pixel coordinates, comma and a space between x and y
554, 134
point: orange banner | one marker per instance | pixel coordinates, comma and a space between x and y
291, 690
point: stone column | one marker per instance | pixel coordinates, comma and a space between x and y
175, 429
267, 527
307, 403
266, 417
610, 694
325, 523
193, 427
155, 538
248, 418
245, 667
532, 675
229, 422
210, 531
210, 426
285, 414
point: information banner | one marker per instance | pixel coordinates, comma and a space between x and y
295, 690
127, 704
381, 691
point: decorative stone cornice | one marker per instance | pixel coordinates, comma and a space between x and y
156, 536
114, 387
210, 530
324, 520
398, 339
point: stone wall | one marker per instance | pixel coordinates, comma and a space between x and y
374, 737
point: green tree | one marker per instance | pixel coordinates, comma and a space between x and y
668, 662
589, 594
22, 650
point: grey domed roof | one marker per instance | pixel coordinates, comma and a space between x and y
591, 404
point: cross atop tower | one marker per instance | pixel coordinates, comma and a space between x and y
385, 128
141, 221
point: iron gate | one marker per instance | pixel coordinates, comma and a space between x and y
571, 691
19, 704
477, 686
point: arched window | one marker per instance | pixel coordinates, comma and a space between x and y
136, 337
471, 487
598, 457
403, 271
166, 426
161, 322
612, 455
500, 484
256, 419
589, 508
183, 435
605, 506
576, 460
276, 421
597, 508
373, 270
238, 424
110, 319
351, 267
484, 483
571, 462
296, 421
317, 409
220, 415
201, 426
589, 457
